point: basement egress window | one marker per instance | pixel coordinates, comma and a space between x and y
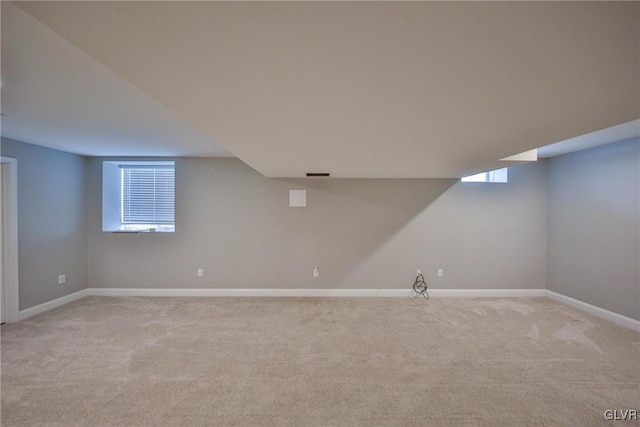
495, 176
138, 196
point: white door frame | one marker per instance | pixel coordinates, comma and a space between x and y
9, 248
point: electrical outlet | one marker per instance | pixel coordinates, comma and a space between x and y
200, 272
440, 272
62, 279
316, 272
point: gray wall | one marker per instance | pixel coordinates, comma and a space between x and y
237, 226
51, 221
594, 226
578, 235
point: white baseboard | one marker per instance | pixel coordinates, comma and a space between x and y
154, 292
437, 293
596, 311
143, 292
487, 293
470, 293
50, 305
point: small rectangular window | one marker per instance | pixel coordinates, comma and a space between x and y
495, 176
138, 196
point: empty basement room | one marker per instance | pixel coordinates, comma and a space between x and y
320, 213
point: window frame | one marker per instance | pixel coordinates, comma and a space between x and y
496, 176
113, 191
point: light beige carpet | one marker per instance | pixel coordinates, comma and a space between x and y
317, 361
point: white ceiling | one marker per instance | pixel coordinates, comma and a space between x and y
358, 89
55, 95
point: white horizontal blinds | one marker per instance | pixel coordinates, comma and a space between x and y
148, 195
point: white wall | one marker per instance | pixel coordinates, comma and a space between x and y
237, 226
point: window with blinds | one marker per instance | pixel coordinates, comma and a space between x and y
138, 196
148, 195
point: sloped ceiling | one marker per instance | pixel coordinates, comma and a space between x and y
373, 89
55, 95
604, 136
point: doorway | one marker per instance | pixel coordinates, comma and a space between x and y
9, 299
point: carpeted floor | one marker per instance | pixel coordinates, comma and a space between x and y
317, 361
